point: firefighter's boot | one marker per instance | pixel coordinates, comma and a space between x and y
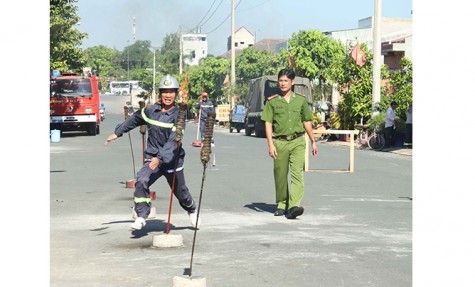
138, 224
193, 215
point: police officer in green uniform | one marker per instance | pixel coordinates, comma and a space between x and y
290, 115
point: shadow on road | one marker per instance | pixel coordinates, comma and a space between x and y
261, 207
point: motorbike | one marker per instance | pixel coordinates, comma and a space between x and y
102, 111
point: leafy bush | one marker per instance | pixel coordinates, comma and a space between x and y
379, 120
376, 121
316, 119
400, 125
335, 120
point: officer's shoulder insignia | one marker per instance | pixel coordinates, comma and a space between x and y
300, 95
272, 97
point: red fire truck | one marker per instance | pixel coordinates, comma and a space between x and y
74, 103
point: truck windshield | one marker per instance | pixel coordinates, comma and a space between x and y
271, 88
71, 88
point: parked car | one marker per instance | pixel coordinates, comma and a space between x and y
237, 117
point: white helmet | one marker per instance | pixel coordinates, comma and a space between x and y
168, 82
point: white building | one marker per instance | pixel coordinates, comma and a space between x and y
397, 32
195, 48
242, 39
396, 41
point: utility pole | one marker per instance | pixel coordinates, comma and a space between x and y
153, 84
128, 60
133, 28
376, 55
181, 52
233, 56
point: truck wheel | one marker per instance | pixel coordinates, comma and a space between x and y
238, 130
230, 129
97, 130
248, 131
259, 129
91, 130
260, 134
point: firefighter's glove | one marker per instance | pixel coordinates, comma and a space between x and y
143, 129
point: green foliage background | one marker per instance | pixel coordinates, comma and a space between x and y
323, 60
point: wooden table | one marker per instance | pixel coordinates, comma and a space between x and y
351, 166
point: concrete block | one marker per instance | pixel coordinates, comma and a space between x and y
167, 240
186, 281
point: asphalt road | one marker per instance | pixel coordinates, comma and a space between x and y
356, 229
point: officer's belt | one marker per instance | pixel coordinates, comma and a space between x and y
290, 137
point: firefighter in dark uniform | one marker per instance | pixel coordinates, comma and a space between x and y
291, 118
160, 153
206, 107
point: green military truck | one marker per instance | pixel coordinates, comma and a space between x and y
262, 88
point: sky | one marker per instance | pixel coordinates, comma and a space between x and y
111, 22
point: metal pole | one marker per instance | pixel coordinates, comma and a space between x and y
205, 153
233, 56
197, 217
199, 118
128, 60
181, 52
153, 84
376, 55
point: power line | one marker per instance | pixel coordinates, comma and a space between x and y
212, 13
260, 4
224, 19
206, 14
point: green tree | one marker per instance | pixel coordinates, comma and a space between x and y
316, 56
356, 86
168, 57
400, 91
137, 56
65, 40
252, 63
101, 60
211, 75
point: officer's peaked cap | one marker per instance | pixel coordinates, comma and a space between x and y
168, 82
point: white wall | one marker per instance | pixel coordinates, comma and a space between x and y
196, 43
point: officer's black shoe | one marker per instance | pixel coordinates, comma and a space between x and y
294, 212
279, 212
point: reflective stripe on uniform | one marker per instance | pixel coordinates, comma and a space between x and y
188, 206
157, 123
172, 170
142, 199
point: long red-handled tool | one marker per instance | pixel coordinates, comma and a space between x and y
178, 145
180, 122
130, 183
